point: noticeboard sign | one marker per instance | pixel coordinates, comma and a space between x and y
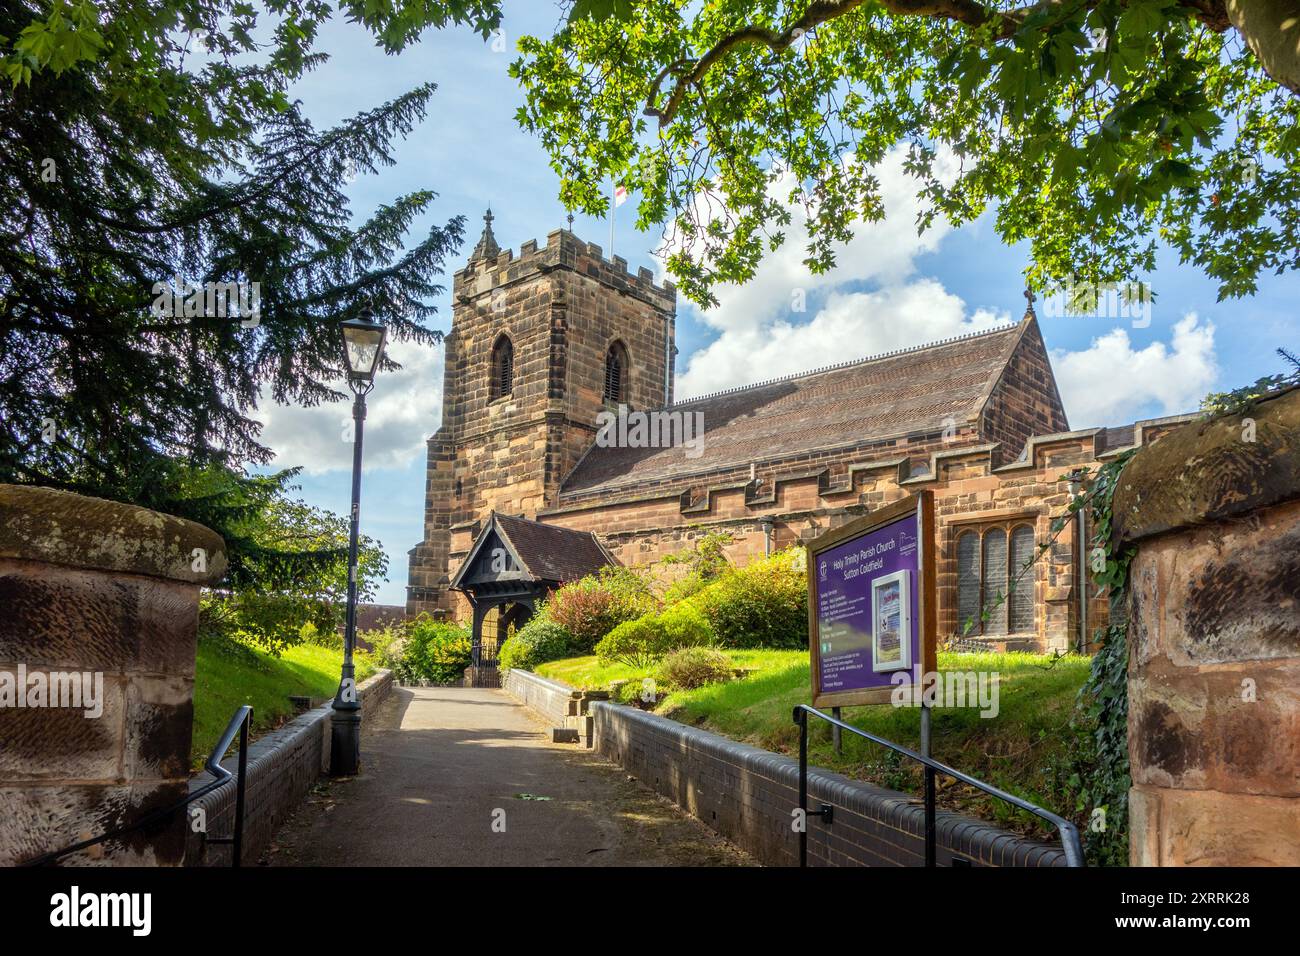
871, 605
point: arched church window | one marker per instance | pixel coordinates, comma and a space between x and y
503, 368
988, 563
995, 580
1021, 602
616, 366
968, 582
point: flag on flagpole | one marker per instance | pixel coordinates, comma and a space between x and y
620, 195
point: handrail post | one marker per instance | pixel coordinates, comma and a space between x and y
237, 846
930, 852
1069, 833
801, 717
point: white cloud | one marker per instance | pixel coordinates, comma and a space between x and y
764, 333
401, 412
849, 325
881, 252
1111, 383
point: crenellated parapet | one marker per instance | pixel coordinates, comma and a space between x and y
563, 250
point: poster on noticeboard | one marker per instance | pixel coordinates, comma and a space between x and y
871, 604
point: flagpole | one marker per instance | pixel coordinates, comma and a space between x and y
612, 206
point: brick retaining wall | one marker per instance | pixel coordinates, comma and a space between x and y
747, 795
552, 699
282, 767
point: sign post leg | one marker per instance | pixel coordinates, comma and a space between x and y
835, 731
929, 787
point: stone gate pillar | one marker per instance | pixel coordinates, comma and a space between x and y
98, 617
1214, 640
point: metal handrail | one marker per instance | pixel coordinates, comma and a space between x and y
1068, 831
239, 723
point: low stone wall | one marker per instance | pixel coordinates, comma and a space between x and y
748, 795
553, 700
282, 767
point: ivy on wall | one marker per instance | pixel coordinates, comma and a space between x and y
1101, 711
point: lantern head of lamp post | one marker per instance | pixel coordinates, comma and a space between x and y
363, 340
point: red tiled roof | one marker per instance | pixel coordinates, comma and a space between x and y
869, 400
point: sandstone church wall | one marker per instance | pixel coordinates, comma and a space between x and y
998, 462
562, 306
970, 491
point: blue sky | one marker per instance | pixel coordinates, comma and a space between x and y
890, 289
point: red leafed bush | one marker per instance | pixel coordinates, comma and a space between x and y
592, 607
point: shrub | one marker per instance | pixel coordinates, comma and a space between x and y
430, 650
642, 693
649, 638
685, 587
762, 605
692, 667
386, 644
330, 640
540, 640
593, 606
682, 625
706, 561
634, 643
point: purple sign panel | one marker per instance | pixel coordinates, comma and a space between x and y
867, 611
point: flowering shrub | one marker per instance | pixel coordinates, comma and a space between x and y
592, 607
424, 649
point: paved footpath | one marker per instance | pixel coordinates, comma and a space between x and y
439, 765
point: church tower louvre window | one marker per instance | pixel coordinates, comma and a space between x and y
503, 368
616, 369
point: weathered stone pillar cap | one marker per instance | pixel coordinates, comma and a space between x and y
44, 524
1211, 470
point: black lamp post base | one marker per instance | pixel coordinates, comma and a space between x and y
345, 743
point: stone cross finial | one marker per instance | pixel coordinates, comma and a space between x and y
487, 247
1030, 299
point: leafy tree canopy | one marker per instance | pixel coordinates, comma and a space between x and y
1097, 129
175, 244
289, 560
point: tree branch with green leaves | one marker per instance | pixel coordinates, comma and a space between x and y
1096, 130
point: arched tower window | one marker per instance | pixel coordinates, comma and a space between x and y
503, 368
616, 367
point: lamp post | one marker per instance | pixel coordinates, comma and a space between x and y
363, 344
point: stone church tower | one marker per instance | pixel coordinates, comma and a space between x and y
539, 345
